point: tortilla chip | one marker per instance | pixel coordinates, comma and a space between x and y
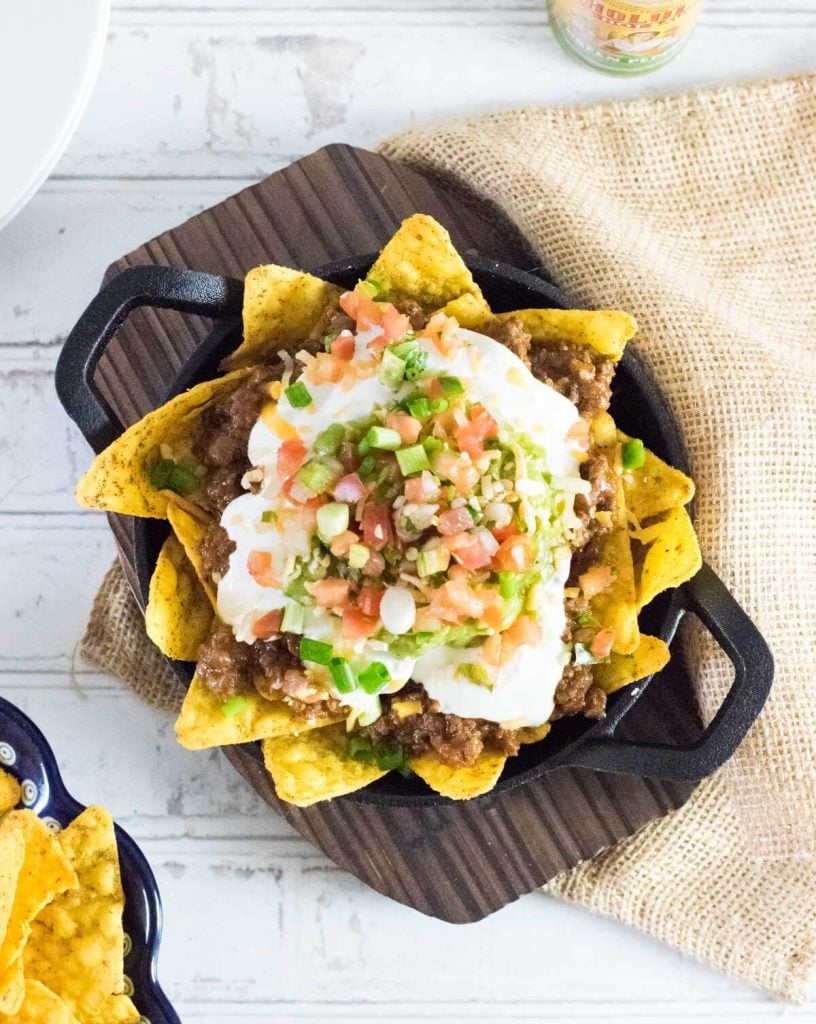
672, 555
420, 263
12, 855
41, 1006
10, 793
650, 656
45, 873
202, 723
460, 783
178, 616
603, 431
616, 606
534, 733
281, 308
77, 942
313, 767
469, 310
190, 531
119, 477
655, 487
605, 330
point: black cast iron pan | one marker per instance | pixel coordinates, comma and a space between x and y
638, 406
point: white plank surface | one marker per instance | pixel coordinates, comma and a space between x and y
196, 99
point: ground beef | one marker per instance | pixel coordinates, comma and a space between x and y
576, 692
214, 550
576, 372
223, 430
601, 498
456, 741
224, 665
336, 321
415, 313
513, 335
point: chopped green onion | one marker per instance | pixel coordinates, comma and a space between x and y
387, 755
405, 348
439, 405
371, 288
298, 395
582, 655
432, 560
475, 673
358, 556
382, 437
392, 369
332, 519
509, 583
585, 618
315, 651
432, 445
360, 748
329, 440
269, 516
374, 677
415, 364
633, 454
234, 706
293, 618
342, 675
419, 408
367, 470
319, 474
328, 341
451, 386
412, 460
172, 476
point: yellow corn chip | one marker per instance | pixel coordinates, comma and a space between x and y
650, 656
313, 767
534, 733
77, 942
190, 530
602, 430
672, 554
12, 854
460, 783
41, 1006
616, 606
469, 310
202, 722
9, 792
419, 262
45, 873
119, 477
655, 487
605, 330
178, 615
281, 308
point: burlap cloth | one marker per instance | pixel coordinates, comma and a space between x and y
698, 214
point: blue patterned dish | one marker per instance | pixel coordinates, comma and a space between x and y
26, 754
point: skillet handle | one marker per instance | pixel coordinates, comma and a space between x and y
187, 291
709, 599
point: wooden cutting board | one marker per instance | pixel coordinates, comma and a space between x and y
459, 862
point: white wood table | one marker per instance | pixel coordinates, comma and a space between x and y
196, 99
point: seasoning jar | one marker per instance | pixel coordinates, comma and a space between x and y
623, 37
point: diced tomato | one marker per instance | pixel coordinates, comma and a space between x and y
330, 592
595, 580
361, 308
524, 630
455, 601
426, 621
466, 478
259, 567
468, 550
327, 368
350, 488
460, 471
454, 521
268, 625
347, 454
602, 644
421, 489
441, 330
433, 389
340, 544
516, 554
470, 437
300, 495
501, 533
376, 525
395, 324
291, 456
406, 426
343, 346
491, 650
357, 625
368, 600
349, 302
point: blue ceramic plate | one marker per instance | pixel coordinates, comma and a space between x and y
25, 753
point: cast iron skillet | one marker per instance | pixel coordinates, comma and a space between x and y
638, 406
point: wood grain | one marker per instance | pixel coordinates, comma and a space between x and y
460, 862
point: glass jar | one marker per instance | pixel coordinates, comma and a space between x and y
623, 37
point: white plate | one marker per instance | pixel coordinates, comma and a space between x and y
50, 52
